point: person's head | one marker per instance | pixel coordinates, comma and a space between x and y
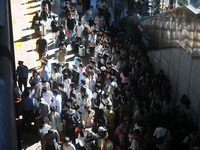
66, 141
79, 23
85, 75
67, 3
71, 85
91, 7
67, 65
83, 91
62, 44
55, 92
60, 86
44, 81
69, 15
20, 63
55, 70
81, 67
44, 64
79, 60
91, 73
52, 109
35, 73
40, 36
102, 131
68, 105
44, 89
50, 132
83, 83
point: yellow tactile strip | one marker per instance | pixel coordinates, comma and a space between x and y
30, 7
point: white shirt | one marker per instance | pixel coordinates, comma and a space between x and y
48, 96
44, 129
79, 30
81, 139
92, 38
160, 132
70, 147
57, 102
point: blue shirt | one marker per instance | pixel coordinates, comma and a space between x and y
27, 103
22, 71
45, 73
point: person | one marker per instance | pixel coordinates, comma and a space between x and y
162, 131
41, 46
47, 95
92, 42
90, 14
45, 71
22, 73
70, 25
44, 128
79, 32
62, 52
27, 109
36, 23
35, 78
40, 86
79, 8
44, 108
57, 101
75, 16
54, 78
81, 71
135, 145
103, 141
81, 136
70, 121
67, 82
67, 145
67, 9
60, 36
54, 120
51, 140
54, 27
100, 21
107, 17
67, 70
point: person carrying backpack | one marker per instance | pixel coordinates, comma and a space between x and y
54, 27
70, 121
60, 37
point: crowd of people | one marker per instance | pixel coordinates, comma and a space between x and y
113, 102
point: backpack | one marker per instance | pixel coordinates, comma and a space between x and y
90, 141
62, 35
71, 118
99, 98
55, 26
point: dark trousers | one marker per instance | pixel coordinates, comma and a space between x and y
91, 22
70, 132
22, 81
27, 118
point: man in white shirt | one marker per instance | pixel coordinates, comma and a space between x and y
92, 42
79, 32
67, 145
47, 95
57, 101
98, 50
